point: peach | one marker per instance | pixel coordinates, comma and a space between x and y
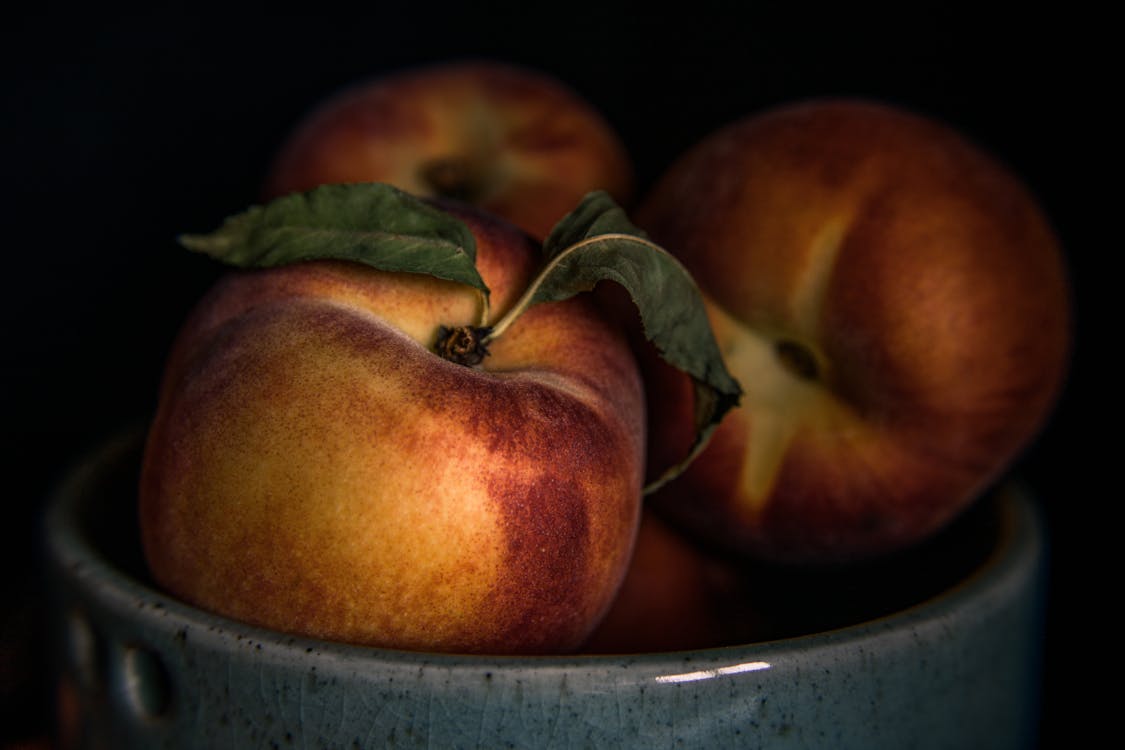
314, 467
896, 306
511, 140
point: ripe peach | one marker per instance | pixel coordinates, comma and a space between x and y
511, 140
895, 305
315, 468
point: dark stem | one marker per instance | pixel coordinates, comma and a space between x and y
463, 345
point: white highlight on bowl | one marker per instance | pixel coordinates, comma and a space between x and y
707, 674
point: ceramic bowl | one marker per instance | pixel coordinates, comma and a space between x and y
958, 668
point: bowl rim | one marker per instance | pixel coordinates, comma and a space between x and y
1019, 552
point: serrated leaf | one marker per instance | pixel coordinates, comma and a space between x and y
370, 223
597, 242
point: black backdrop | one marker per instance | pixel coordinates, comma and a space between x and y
123, 128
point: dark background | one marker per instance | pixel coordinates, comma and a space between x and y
121, 129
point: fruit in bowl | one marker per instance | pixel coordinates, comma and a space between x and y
512, 140
896, 306
348, 446
314, 467
141, 668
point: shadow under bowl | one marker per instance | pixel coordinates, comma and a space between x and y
958, 668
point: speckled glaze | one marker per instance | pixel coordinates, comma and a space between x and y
138, 669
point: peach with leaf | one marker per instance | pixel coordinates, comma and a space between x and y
348, 446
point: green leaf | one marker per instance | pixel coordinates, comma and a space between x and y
370, 223
597, 242
597, 214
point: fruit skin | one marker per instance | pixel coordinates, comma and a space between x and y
313, 468
677, 596
513, 141
896, 307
